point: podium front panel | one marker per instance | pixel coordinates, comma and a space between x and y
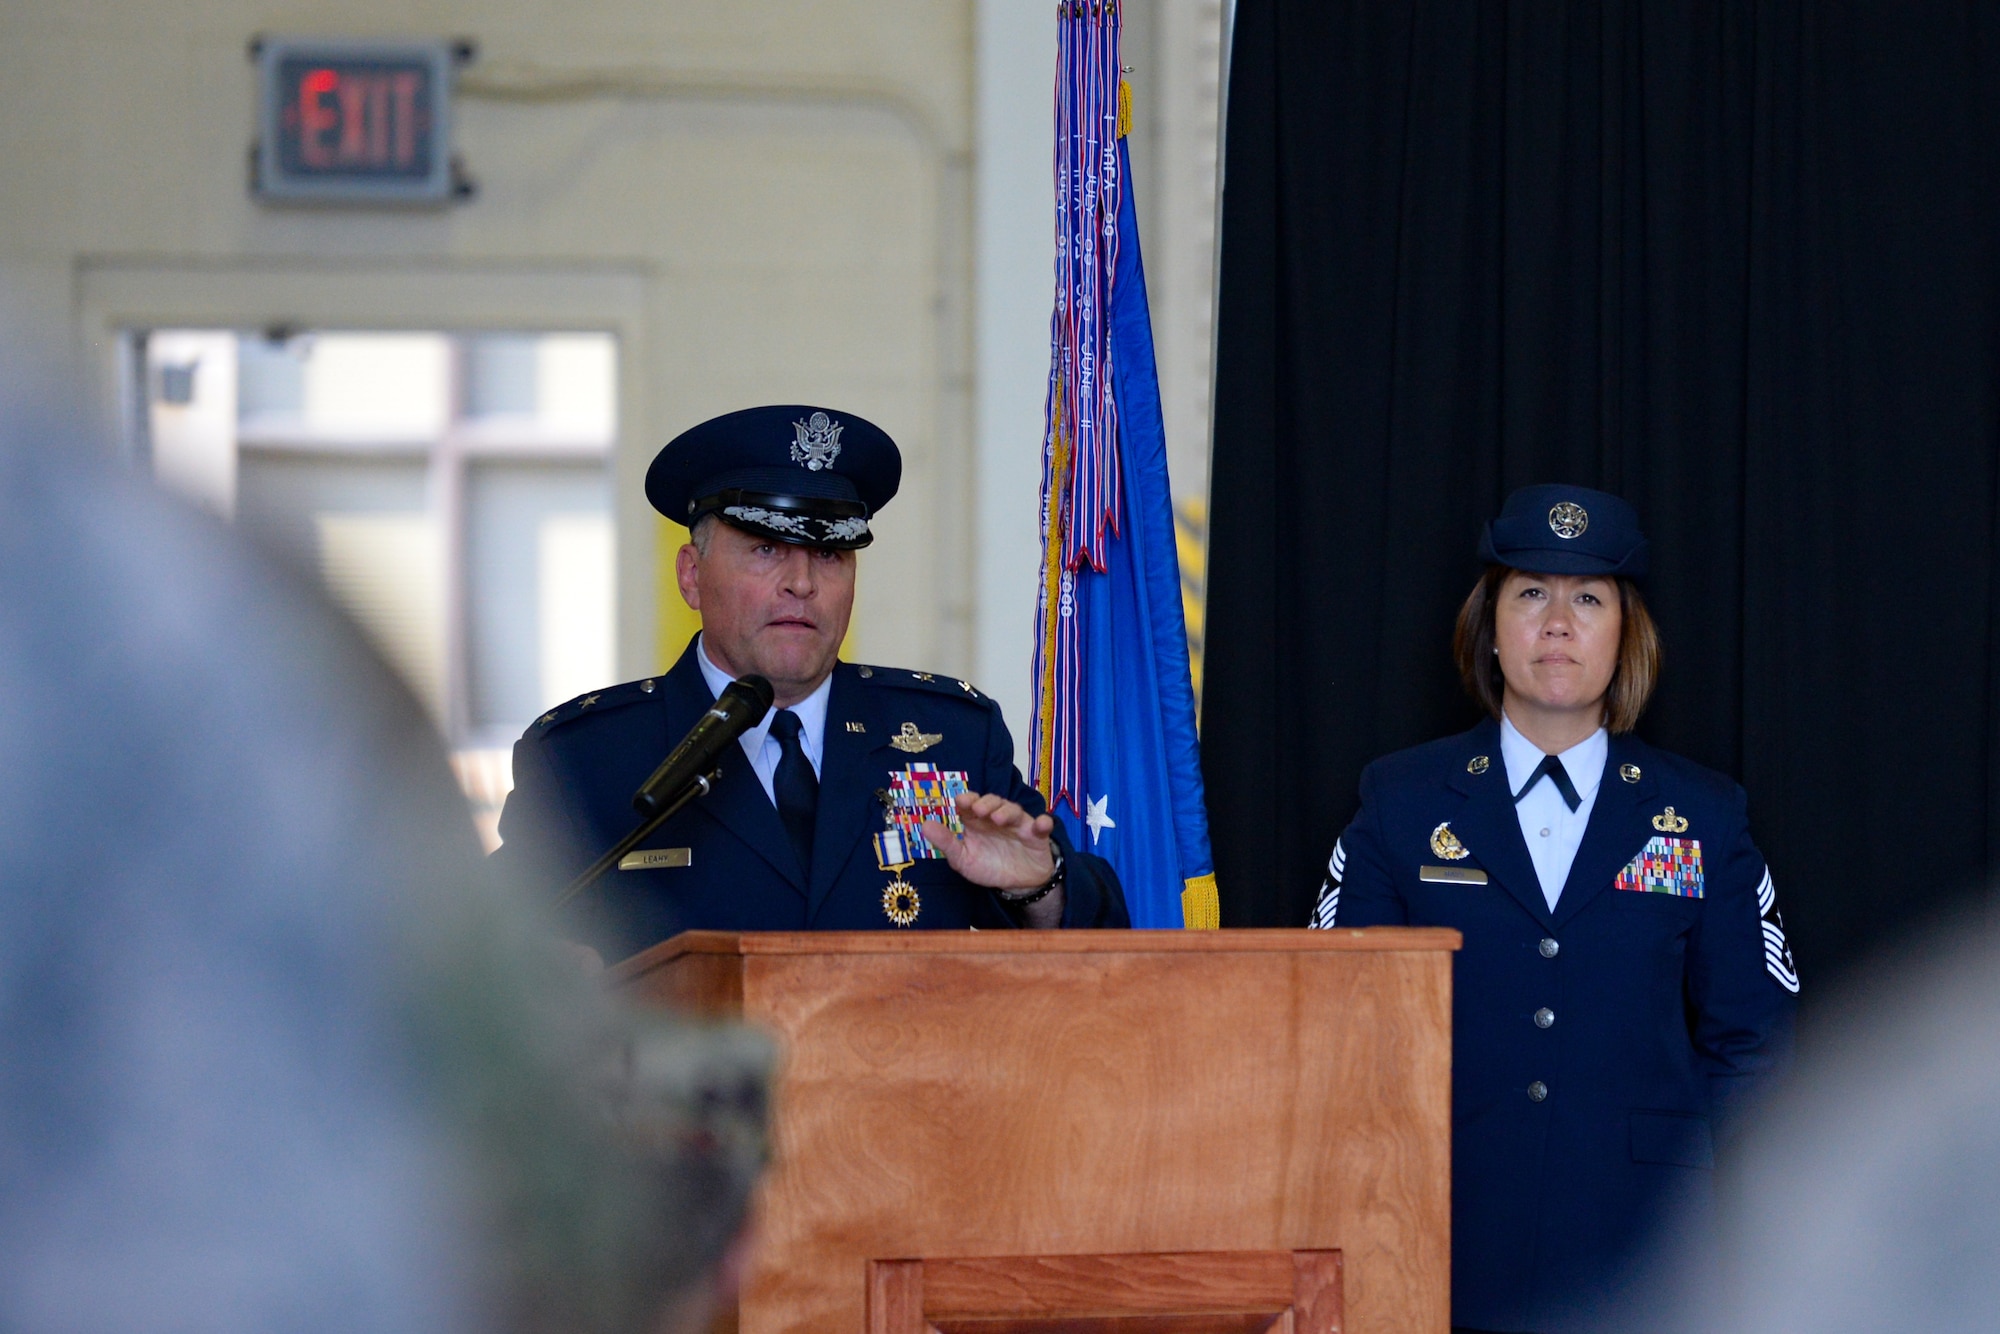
1092, 1094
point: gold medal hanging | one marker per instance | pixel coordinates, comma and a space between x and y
899, 897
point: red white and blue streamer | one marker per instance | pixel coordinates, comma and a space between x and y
1080, 458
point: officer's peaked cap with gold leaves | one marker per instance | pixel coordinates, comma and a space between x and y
802, 474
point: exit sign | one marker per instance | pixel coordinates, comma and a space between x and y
354, 121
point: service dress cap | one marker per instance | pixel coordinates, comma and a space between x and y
791, 471
1566, 530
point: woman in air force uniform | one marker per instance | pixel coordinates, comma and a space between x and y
1625, 978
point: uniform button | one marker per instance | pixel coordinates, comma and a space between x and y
1549, 947
1544, 1017
1537, 1091
1545, 833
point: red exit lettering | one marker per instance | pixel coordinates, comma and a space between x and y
358, 118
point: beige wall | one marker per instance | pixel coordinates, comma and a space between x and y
767, 202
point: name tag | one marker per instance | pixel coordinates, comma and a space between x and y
654, 859
1451, 875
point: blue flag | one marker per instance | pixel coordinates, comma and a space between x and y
1115, 747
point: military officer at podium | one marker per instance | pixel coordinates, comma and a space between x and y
867, 798
1625, 978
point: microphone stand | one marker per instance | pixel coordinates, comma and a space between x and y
698, 788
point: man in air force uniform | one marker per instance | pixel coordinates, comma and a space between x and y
867, 798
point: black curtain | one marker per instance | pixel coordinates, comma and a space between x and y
1734, 262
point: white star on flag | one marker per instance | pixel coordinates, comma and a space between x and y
1096, 816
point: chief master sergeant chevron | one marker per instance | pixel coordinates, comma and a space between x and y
868, 798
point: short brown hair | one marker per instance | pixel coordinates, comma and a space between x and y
1632, 680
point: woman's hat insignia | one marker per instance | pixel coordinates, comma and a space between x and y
1568, 519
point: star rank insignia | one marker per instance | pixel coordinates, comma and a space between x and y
912, 742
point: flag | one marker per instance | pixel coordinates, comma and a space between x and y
1114, 747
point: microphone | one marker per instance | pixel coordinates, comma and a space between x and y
742, 703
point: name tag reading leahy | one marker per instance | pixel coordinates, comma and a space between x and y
654, 859
1451, 875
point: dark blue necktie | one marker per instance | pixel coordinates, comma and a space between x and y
1552, 769
795, 786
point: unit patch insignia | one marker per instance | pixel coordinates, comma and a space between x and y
1445, 844
817, 442
909, 740
1568, 520
1670, 823
1664, 866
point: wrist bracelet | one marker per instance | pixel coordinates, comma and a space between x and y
1037, 895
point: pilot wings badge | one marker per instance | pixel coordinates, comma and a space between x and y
1445, 844
817, 442
912, 742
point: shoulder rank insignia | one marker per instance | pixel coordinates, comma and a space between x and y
1477, 764
912, 742
1670, 823
1445, 844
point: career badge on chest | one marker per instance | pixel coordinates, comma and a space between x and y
912, 742
1445, 844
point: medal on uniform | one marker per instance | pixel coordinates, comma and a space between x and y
899, 897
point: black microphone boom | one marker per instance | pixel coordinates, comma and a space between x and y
740, 706
683, 775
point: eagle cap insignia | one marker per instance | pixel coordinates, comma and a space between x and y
912, 742
1670, 823
1568, 520
1445, 844
816, 442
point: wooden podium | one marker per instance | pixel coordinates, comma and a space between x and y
1118, 1132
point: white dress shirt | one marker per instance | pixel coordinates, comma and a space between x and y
758, 743
1552, 830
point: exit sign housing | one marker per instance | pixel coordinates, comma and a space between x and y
354, 122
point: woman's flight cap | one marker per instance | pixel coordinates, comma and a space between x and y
798, 473
1566, 530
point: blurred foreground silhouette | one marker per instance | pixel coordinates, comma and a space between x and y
274, 1053
1867, 1197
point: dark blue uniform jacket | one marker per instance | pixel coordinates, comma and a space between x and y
577, 767
1575, 1135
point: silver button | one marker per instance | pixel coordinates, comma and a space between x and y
1544, 1017
1549, 948
1537, 1091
